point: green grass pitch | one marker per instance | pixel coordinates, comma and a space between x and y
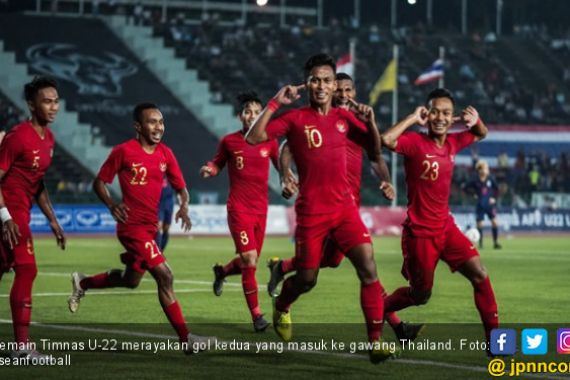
529, 276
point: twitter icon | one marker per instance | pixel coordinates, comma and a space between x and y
534, 341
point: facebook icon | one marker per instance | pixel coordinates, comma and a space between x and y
503, 341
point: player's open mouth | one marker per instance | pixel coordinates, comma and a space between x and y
156, 135
321, 95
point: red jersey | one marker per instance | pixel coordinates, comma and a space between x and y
354, 166
318, 144
248, 169
25, 157
140, 176
429, 170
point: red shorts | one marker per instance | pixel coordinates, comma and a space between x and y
142, 252
421, 254
344, 227
23, 252
248, 231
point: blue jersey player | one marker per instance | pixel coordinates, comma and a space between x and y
485, 189
165, 211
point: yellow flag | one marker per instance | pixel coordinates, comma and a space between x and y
387, 82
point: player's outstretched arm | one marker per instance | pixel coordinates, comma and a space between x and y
118, 210
390, 137
44, 203
287, 95
474, 123
209, 170
10, 230
289, 183
182, 214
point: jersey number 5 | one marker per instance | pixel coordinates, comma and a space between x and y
431, 170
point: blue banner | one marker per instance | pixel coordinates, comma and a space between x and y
518, 219
76, 219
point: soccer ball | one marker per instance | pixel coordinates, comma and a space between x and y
473, 235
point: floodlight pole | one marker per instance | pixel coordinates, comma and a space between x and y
429, 12
464, 17
393, 14
357, 12
499, 16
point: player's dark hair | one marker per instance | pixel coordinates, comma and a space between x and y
140, 108
440, 93
245, 98
38, 83
317, 60
343, 76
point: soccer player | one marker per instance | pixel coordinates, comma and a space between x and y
248, 169
486, 190
25, 156
165, 210
430, 233
141, 164
317, 136
333, 256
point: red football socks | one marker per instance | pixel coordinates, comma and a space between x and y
176, 318
233, 267
97, 281
398, 300
372, 305
487, 305
249, 285
21, 301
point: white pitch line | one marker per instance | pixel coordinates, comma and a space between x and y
427, 363
118, 292
176, 281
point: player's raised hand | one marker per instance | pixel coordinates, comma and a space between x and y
289, 94
11, 233
58, 233
470, 116
205, 171
289, 185
362, 111
421, 115
120, 212
387, 190
182, 215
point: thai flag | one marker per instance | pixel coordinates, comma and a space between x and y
345, 65
434, 72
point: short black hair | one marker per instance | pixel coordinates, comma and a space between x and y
38, 83
317, 60
440, 93
140, 108
344, 76
244, 98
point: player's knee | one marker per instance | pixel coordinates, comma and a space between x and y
479, 276
165, 280
249, 258
306, 283
420, 297
27, 271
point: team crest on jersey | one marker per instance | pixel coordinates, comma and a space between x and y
340, 126
264, 152
163, 167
